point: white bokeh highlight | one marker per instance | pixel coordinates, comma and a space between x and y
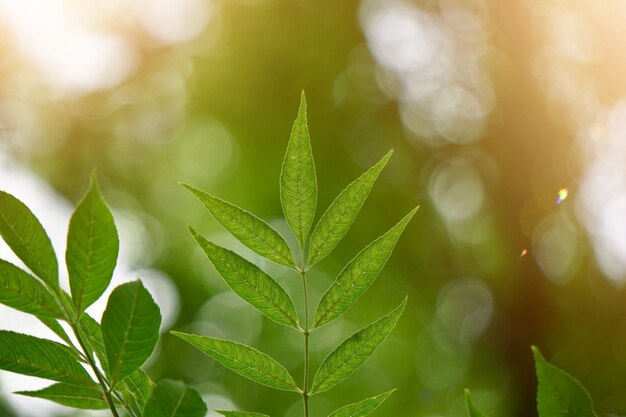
432, 63
566, 70
76, 48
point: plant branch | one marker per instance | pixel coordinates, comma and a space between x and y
72, 319
105, 388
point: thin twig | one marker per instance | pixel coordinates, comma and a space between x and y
105, 388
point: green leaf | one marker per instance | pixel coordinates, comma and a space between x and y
340, 215
136, 390
354, 351
240, 413
244, 360
298, 184
358, 275
130, 329
42, 358
77, 396
249, 229
559, 394
362, 408
251, 283
21, 291
174, 399
472, 410
92, 248
21, 230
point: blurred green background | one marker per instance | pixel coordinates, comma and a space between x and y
492, 108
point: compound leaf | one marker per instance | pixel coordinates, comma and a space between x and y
77, 396
130, 329
298, 183
342, 212
29, 355
92, 248
472, 410
358, 275
362, 408
249, 229
174, 399
244, 360
251, 283
240, 413
559, 394
354, 351
21, 230
21, 291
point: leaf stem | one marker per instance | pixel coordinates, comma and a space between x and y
305, 388
105, 389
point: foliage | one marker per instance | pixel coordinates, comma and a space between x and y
558, 393
114, 349
298, 195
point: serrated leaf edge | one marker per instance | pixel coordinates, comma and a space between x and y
288, 262
396, 311
294, 387
314, 257
401, 225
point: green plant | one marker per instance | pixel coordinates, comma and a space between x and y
114, 349
298, 195
558, 393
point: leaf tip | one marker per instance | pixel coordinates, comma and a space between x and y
94, 185
383, 161
302, 109
468, 396
397, 312
180, 335
537, 354
193, 190
194, 232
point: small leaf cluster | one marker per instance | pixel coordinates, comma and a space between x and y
558, 393
298, 197
113, 349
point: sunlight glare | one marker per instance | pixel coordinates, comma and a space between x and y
69, 56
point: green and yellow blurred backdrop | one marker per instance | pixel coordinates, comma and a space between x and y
493, 108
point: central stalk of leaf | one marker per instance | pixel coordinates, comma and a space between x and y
305, 332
